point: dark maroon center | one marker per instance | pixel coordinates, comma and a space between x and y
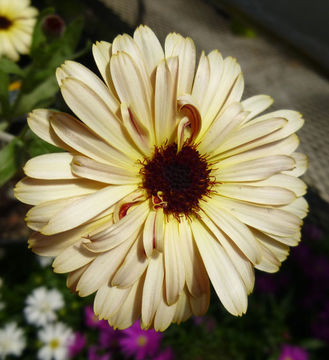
178, 180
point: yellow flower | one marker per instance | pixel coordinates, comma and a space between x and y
17, 20
168, 180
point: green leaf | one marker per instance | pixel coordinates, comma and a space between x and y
11, 158
41, 96
36, 146
10, 67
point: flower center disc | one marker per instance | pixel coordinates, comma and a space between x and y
176, 181
5, 23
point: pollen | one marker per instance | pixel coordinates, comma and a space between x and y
176, 181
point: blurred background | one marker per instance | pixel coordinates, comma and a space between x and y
283, 49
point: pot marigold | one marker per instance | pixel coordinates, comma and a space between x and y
168, 181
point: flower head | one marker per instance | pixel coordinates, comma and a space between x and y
12, 341
17, 20
168, 180
78, 342
138, 342
289, 352
41, 306
56, 339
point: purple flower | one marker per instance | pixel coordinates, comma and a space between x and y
97, 353
77, 344
108, 337
92, 321
139, 343
167, 354
289, 352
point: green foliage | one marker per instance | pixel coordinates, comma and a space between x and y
36, 88
10, 159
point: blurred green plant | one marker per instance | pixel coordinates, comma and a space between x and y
31, 85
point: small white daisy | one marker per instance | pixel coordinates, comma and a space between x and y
55, 339
41, 306
45, 261
12, 341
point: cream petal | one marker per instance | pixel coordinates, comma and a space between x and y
53, 245
270, 263
256, 104
174, 267
149, 46
90, 169
188, 108
101, 270
237, 231
39, 216
92, 110
284, 181
138, 133
34, 191
206, 99
254, 170
165, 103
72, 258
39, 122
126, 44
281, 147
225, 279
241, 263
249, 133
221, 128
267, 195
108, 300
79, 137
301, 161
131, 86
164, 315
149, 233
201, 81
86, 208
195, 274
130, 309
50, 166
280, 250
159, 229
200, 305
153, 287
183, 309
186, 53
128, 227
74, 277
270, 220
132, 267
299, 207
102, 54
291, 240
230, 82
80, 72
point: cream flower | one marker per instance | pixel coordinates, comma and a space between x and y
168, 180
17, 20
